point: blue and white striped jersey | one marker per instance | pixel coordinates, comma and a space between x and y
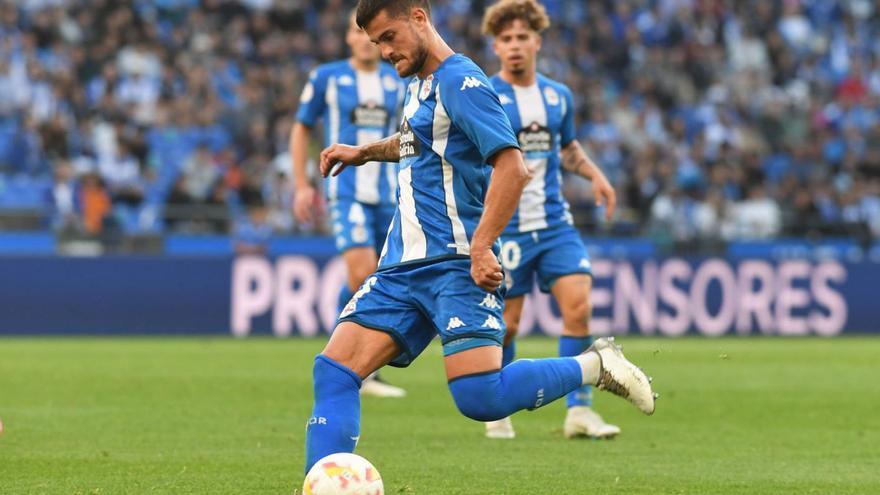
542, 115
452, 125
356, 108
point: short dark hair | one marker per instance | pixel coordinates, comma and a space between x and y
367, 10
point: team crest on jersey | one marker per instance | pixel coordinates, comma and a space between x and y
409, 144
551, 96
389, 83
535, 139
426, 87
370, 114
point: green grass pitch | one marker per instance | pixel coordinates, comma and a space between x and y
205, 416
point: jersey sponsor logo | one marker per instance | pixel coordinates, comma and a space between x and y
490, 302
370, 114
492, 322
535, 139
454, 322
426, 87
409, 144
505, 100
470, 82
551, 96
345, 80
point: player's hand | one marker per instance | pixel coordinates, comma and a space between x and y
341, 154
304, 204
604, 193
485, 269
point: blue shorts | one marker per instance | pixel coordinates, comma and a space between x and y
415, 302
357, 224
550, 253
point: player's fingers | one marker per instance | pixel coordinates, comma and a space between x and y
611, 204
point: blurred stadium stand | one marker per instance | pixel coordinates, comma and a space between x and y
719, 121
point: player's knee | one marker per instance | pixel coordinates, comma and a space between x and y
512, 329
576, 316
478, 398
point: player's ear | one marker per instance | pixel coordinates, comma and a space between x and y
538, 40
419, 16
495, 46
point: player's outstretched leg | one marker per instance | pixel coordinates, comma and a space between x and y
484, 392
352, 353
360, 263
503, 428
572, 292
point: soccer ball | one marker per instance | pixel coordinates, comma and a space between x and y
343, 474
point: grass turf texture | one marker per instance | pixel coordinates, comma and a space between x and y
737, 416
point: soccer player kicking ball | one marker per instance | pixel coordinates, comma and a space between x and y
540, 238
357, 99
439, 270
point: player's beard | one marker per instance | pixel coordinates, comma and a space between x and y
419, 57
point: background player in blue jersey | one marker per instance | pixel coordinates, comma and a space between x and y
540, 239
439, 271
358, 100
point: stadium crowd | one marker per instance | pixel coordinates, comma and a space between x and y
714, 119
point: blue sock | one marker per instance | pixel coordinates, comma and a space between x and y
573, 346
345, 295
524, 384
508, 352
336, 416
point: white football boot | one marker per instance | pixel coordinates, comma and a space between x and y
373, 385
620, 377
503, 429
583, 421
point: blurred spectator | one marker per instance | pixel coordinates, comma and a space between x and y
687, 105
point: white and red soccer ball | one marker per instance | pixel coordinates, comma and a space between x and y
343, 474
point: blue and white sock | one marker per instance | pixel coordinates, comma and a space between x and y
508, 353
336, 416
524, 384
573, 346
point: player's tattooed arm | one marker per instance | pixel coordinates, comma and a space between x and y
575, 159
336, 157
509, 178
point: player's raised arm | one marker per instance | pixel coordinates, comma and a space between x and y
384, 150
509, 178
576, 160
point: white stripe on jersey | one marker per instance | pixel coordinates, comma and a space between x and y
332, 99
366, 182
415, 245
532, 214
440, 140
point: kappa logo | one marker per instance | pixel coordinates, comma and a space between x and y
490, 302
505, 100
345, 80
454, 322
470, 82
585, 264
492, 322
